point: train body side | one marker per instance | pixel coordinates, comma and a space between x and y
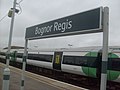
80, 63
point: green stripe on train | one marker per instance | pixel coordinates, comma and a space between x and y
89, 71
111, 75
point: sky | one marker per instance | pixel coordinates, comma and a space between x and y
39, 11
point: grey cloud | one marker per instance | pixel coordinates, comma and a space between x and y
40, 11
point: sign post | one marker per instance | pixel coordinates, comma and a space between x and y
105, 49
6, 72
92, 21
24, 65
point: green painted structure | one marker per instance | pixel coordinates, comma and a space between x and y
111, 74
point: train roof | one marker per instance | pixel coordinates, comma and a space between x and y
15, 47
77, 49
84, 49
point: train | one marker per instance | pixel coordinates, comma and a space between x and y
79, 61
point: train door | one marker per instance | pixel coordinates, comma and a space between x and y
99, 64
57, 60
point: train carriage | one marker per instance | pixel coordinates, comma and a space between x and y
79, 61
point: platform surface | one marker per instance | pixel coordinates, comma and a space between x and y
34, 81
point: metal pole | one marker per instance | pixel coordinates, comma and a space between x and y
105, 49
24, 65
6, 72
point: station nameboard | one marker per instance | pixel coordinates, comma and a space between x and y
81, 23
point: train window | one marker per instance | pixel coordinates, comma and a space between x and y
91, 61
19, 55
115, 64
81, 61
68, 60
48, 58
40, 57
75, 60
109, 64
2, 53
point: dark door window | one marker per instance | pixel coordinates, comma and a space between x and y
57, 60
